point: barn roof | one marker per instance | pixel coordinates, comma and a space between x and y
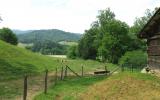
147, 30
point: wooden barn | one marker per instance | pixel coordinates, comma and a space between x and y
151, 32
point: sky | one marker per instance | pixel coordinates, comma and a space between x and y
68, 15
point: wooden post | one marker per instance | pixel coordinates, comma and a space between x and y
82, 70
25, 88
105, 68
56, 76
45, 83
66, 71
132, 67
62, 73
73, 72
122, 68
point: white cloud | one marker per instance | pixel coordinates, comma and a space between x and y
68, 15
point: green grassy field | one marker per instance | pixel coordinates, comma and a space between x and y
15, 62
69, 89
122, 86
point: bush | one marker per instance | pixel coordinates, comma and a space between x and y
72, 52
8, 36
134, 57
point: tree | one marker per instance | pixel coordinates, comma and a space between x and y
86, 47
109, 39
48, 48
136, 57
72, 52
105, 39
115, 41
8, 36
141, 21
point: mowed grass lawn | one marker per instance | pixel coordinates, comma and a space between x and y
121, 86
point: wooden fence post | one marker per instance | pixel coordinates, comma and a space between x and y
132, 67
46, 81
66, 71
82, 70
122, 68
62, 73
105, 68
25, 88
56, 76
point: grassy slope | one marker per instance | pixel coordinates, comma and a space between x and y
69, 89
122, 86
125, 86
15, 62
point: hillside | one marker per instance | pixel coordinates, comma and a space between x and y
125, 86
15, 62
121, 86
51, 34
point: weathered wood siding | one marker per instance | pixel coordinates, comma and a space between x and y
154, 52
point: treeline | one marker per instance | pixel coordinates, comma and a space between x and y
48, 48
108, 39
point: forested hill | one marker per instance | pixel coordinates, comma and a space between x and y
50, 34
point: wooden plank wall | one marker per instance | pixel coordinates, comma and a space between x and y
154, 52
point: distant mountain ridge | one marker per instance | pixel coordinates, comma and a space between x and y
46, 35
21, 31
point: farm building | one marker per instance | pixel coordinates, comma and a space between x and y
151, 32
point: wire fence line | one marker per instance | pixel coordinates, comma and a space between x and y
30, 85
132, 67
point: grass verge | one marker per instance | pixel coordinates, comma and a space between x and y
69, 89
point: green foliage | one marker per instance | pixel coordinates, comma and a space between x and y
140, 22
86, 45
108, 38
8, 36
72, 52
114, 41
134, 57
47, 35
49, 48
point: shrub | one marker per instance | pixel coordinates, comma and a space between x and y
72, 52
8, 36
134, 57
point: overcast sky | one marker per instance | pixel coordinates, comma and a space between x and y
68, 15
